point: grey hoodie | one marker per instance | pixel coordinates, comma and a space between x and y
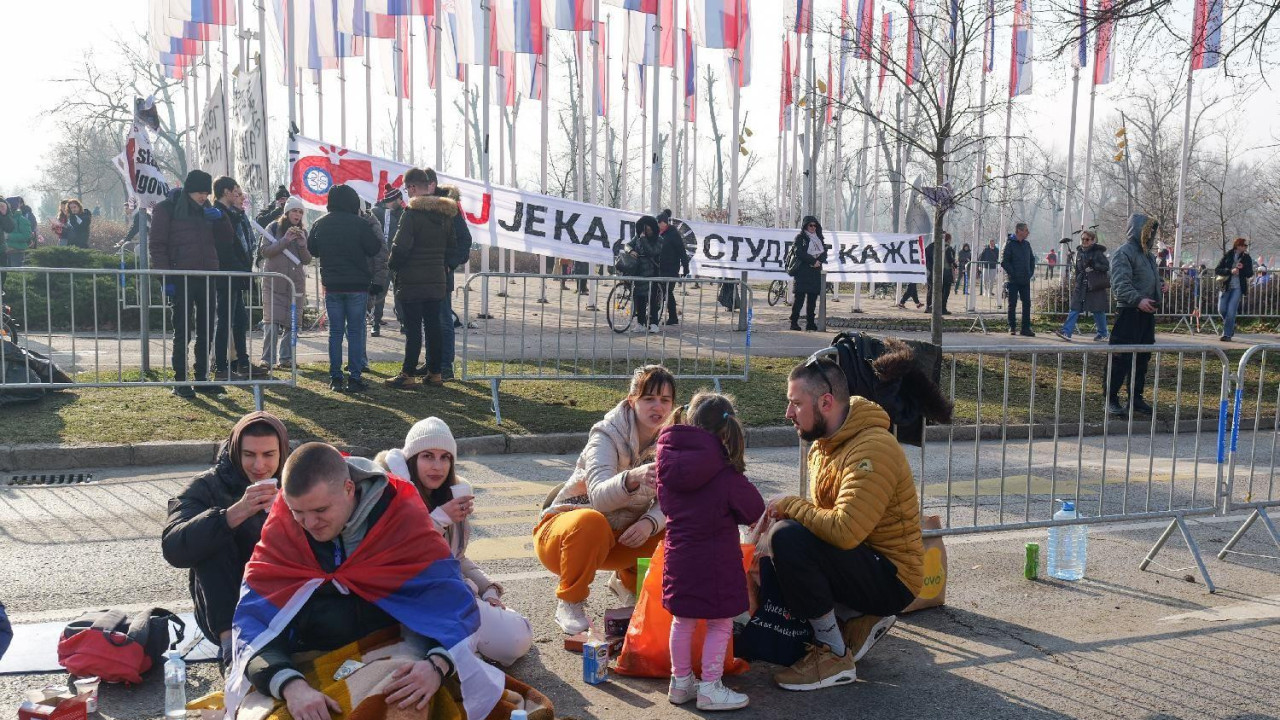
370, 481
1133, 266
599, 478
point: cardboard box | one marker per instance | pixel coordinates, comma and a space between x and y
64, 706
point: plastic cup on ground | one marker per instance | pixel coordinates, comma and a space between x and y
88, 685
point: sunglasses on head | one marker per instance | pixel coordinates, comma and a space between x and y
821, 360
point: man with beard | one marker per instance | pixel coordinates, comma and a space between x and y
857, 546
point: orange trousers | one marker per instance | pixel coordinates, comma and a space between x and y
577, 543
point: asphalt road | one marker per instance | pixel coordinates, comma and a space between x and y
1121, 643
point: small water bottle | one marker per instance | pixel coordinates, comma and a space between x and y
1068, 545
519, 715
175, 686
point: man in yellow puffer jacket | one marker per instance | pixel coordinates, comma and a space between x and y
858, 544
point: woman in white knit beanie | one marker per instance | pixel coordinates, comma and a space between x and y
427, 459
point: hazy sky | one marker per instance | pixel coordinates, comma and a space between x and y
54, 37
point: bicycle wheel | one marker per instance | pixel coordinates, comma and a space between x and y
777, 291
618, 310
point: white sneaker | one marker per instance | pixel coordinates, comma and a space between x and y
571, 617
682, 689
654, 329
637, 329
715, 696
625, 596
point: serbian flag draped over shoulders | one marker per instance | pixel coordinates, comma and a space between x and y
403, 566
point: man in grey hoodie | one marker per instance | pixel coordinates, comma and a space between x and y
1135, 285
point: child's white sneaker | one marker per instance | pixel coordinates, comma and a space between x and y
571, 617
715, 696
682, 689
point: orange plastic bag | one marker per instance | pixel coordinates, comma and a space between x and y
646, 652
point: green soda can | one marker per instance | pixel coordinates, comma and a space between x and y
1031, 569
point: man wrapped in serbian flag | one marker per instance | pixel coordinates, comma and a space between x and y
353, 606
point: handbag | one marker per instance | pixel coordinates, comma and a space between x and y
1096, 280
772, 634
626, 262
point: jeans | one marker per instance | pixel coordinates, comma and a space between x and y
190, 294
815, 576
232, 316
346, 315
1132, 327
1020, 290
1099, 323
416, 314
1228, 306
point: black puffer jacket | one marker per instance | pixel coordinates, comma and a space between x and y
76, 232
648, 248
674, 259
1018, 261
236, 243
419, 250
808, 279
344, 242
196, 531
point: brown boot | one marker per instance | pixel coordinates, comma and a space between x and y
401, 381
435, 380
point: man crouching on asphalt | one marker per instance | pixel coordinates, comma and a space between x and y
858, 544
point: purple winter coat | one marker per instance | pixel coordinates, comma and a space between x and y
704, 500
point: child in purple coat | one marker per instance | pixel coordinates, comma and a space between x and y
705, 497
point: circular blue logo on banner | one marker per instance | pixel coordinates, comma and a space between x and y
318, 180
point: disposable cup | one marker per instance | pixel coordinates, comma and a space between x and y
461, 491
88, 685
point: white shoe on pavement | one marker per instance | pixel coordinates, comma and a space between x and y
625, 596
655, 329
572, 617
715, 696
682, 689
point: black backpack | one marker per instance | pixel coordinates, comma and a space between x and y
789, 260
900, 376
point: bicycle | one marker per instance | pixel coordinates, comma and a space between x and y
778, 293
619, 304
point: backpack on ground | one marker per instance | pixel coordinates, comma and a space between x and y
117, 646
728, 296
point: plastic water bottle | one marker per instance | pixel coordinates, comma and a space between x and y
1068, 545
519, 715
175, 686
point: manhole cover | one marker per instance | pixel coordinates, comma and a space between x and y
49, 480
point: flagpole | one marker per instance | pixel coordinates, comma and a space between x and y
644, 153
1007, 212
302, 102
734, 83
624, 199
593, 189
397, 59
242, 39
439, 78
485, 97
693, 148
262, 85
320, 101
291, 67
655, 170
546, 93
408, 90
1071, 155
673, 198
1088, 159
368, 97
580, 151
840, 223
1182, 173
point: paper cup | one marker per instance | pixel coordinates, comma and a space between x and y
269, 481
461, 491
88, 685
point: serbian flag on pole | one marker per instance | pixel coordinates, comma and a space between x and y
797, 15
740, 58
886, 45
519, 26
209, 12
403, 566
1103, 59
400, 64
403, 7
567, 14
785, 97
506, 68
690, 76
433, 38
355, 18
865, 29
1206, 34
1020, 58
640, 6
537, 76
989, 39
602, 73
831, 106
1081, 56
715, 22
913, 45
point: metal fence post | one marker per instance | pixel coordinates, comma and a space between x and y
742, 303
144, 289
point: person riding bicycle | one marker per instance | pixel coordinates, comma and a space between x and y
646, 246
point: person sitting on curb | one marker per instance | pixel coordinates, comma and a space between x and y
216, 520
428, 460
858, 543
607, 516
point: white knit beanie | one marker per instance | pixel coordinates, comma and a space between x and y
429, 434
293, 203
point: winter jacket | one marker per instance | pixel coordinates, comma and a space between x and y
331, 618
181, 237
196, 531
421, 244
236, 242
7, 224
1018, 261
343, 241
948, 271
1223, 272
673, 260
269, 214
461, 250
599, 477
22, 235
457, 534
647, 248
989, 257
378, 263
276, 299
864, 493
76, 231
964, 258
1093, 258
704, 500
808, 279
1133, 266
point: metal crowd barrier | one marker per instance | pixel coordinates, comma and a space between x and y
1251, 480
84, 321
1031, 428
521, 326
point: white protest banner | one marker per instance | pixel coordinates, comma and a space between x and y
211, 140
518, 220
249, 135
147, 185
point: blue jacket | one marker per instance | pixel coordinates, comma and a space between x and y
1133, 266
1018, 261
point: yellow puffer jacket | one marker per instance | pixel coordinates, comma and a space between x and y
864, 492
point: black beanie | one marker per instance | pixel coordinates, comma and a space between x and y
198, 181
282, 193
